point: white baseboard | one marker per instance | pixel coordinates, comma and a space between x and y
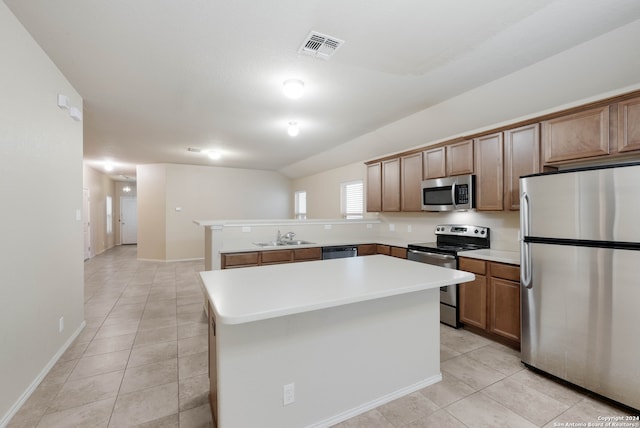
377, 402
27, 393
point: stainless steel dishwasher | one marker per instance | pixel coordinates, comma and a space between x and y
339, 252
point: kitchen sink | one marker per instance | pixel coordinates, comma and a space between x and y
282, 243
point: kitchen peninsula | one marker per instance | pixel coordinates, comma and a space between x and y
314, 343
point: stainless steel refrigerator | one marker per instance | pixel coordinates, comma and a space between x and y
580, 277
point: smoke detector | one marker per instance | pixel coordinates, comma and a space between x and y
320, 45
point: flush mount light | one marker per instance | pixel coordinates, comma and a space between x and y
108, 167
214, 155
293, 88
126, 189
293, 129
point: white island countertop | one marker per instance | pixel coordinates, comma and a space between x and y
258, 293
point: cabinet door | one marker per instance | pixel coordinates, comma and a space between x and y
460, 158
434, 163
504, 304
411, 181
276, 256
236, 260
576, 136
489, 173
629, 125
522, 157
473, 302
398, 252
374, 187
383, 249
213, 367
301, 254
367, 249
391, 185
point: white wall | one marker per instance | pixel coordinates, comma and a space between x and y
323, 189
41, 268
184, 193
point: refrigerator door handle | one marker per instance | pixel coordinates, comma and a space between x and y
525, 250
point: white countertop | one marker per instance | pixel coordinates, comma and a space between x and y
257, 293
501, 256
241, 247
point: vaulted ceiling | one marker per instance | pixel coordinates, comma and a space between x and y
161, 76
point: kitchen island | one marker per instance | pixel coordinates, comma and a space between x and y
315, 343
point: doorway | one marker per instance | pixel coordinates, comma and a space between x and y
86, 224
128, 220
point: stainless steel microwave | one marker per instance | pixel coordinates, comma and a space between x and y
449, 193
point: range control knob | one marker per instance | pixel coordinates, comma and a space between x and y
483, 232
475, 231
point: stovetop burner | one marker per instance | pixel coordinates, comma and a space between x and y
453, 238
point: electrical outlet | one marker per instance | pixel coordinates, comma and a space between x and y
60, 324
246, 229
409, 228
327, 227
392, 227
369, 226
288, 394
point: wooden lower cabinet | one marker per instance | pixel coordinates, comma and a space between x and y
473, 302
367, 249
306, 254
275, 257
236, 260
398, 252
383, 249
213, 367
491, 303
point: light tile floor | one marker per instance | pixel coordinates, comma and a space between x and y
141, 361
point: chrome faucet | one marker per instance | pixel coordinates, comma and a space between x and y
286, 237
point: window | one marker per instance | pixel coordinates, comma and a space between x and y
109, 215
301, 205
352, 199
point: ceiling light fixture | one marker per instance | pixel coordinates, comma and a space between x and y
214, 155
293, 88
108, 167
293, 129
126, 189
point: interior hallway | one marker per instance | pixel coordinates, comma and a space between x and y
142, 361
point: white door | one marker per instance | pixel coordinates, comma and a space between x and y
128, 220
86, 225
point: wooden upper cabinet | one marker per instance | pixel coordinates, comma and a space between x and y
410, 182
459, 158
374, 187
391, 185
521, 157
576, 136
629, 125
434, 163
489, 172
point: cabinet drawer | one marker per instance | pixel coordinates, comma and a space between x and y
240, 259
367, 249
510, 272
398, 252
277, 256
473, 265
307, 253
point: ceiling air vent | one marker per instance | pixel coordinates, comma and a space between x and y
320, 45
193, 149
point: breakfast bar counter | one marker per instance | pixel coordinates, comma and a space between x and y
315, 343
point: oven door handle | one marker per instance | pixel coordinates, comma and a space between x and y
434, 255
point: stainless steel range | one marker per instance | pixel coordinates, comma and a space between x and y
450, 240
